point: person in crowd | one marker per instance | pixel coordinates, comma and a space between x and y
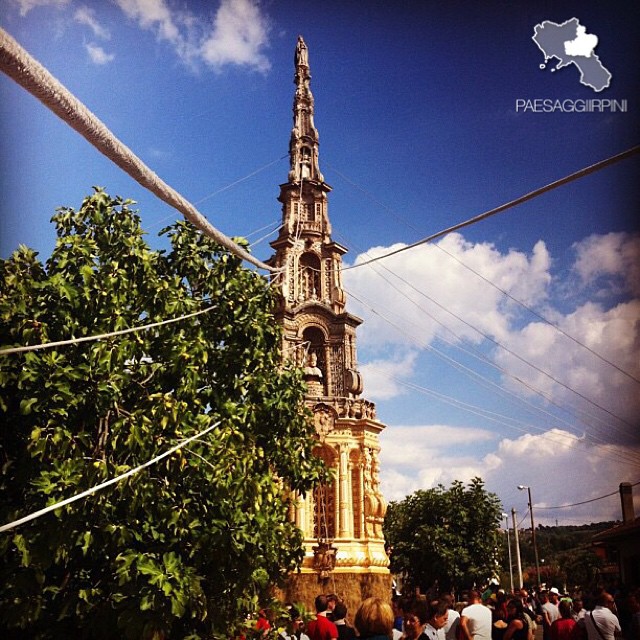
517, 625
332, 600
577, 608
262, 623
453, 621
374, 620
294, 625
549, 612
345, 631
562, 628
475, 619
396, 607
499, 616
322, 628
415, 620
602, 622
437, 620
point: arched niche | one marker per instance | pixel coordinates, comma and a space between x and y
314, 339
324, 498
310, 281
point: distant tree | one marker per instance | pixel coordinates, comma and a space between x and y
445, 536
187, 545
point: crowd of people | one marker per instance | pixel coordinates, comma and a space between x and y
492, 614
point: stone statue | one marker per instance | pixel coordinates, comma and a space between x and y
312, 368
302, 53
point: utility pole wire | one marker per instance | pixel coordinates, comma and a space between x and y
503, 207
19, 65
107, 483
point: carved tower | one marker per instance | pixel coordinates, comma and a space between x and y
341, 522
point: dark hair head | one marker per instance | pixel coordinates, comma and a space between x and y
339, 611
565, 608
516, 604
322, 604
603, 599
420, 609
438, 608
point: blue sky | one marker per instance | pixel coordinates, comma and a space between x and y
416, 109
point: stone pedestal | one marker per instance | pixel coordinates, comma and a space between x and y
352, 587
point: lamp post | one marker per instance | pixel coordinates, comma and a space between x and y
515, 535
506, 523
521, 487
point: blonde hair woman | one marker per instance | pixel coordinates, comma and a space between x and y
374, 620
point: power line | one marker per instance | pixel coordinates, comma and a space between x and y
528, 196
104, 485
507, 349
538, 315
239, 180
19, 65
466, 266
576, 504
625, 456
120, 332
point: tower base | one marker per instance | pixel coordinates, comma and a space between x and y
350, 587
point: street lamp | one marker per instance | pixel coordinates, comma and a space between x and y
515, 536
521, 487
506, 523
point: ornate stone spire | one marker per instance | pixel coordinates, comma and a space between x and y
303, 146
341, 520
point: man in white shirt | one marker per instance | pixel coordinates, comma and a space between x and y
451, 628
438, 615
475, 619
602, 623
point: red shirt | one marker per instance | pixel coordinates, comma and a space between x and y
322, 629
561, 629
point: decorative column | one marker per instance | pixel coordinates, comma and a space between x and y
346, 513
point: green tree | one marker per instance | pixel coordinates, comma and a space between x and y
185, 547
447, 537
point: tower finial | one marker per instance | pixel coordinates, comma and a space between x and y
302, 53
303, 146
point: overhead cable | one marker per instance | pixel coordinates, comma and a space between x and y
120, 332
505, 293
539, 316
511, 352
626, 456
19, 65
576, 504
99, 487
528, 196
239, 180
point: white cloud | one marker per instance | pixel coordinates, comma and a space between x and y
613, 334
383, 378
26, 5
98, 55
411, 283
428, 288
614, 258
426, 441
152, 14
86, 16
560, 468
236, 36
240, 32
